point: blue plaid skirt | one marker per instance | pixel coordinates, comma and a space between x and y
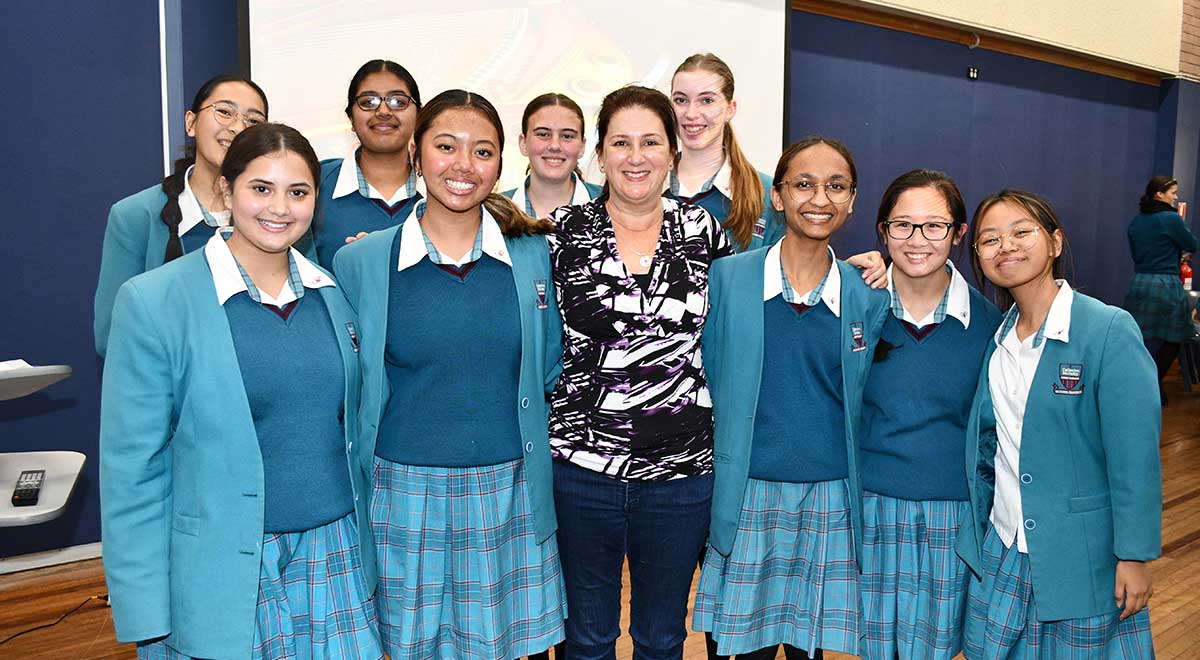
1161, 307
1001, 621
914, 586
790, 577
313, 602
461, 574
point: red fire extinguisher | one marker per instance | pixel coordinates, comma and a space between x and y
1185, 273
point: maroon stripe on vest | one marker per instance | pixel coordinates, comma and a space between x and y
800, 307
283, 312
921, 333
460, 273
390, 210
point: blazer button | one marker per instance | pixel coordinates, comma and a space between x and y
1026, 478
528, 447
525, 402
1030, 524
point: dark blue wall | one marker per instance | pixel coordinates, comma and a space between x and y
82, 108
900, 101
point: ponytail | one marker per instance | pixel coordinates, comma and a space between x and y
171, 214
746, 192
512, 220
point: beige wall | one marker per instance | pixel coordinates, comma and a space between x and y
1144, 34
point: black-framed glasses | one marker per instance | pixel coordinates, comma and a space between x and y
1022, 238
225, 113
395, 101
802, 190
932, 231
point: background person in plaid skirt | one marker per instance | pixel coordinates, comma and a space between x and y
915, 409
1062, 459
553, 139
233, 503
162, 222
460, 342
1156, 298
787, 348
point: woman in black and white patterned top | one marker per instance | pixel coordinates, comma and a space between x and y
631, 419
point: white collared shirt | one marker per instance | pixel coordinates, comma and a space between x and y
958, 300
773, 281
228, 280
347, 182
413, 249
579, 195
191, 213
1010, 376
721, 181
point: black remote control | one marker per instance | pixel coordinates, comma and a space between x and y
29, 484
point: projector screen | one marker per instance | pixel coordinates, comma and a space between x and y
304, 52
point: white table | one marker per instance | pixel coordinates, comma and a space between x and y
62, 469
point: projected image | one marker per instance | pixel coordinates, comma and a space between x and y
304, 52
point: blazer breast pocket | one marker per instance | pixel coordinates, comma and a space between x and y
185, 524
1088, 503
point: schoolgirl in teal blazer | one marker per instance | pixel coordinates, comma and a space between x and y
733, 358
232, 500
363, 270
1062, 460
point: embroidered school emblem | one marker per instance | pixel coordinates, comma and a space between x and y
353, 335
857, 338
540, 287
1070, 379
760, 227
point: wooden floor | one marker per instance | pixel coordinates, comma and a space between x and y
38, 597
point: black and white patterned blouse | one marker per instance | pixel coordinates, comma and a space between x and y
632, 402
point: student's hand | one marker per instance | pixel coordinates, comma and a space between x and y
1133, 587
351, 239
871, 264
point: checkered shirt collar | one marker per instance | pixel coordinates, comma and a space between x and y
955, 302
720, 180
775, 283
192, 212
352, 180
230, 278
580, 195
488, 240
1058, 320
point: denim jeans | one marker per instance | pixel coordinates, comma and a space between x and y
662, 527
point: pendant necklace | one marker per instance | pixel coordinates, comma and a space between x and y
644, 260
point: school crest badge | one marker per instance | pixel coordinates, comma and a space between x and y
540, 287
760, 227
857, 338
1070, 379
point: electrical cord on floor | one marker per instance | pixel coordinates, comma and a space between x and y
58, 621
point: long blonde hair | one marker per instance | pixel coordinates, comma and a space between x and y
746, 204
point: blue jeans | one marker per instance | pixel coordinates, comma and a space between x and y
662, 527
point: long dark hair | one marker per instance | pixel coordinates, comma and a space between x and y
381, 66
635, 96
551, 99
172, 185
1159, 184
1039, 211
513, 221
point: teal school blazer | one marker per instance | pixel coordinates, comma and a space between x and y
364, 269
732, 349
181, 473
1091, 481
135, 241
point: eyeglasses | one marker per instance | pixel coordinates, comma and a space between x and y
225, 113
1022, 238
396, 101
802, 190
932, 231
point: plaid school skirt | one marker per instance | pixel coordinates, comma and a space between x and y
313, 602
1161, 307
790, 577
461, 574
1001, 621
914, 586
